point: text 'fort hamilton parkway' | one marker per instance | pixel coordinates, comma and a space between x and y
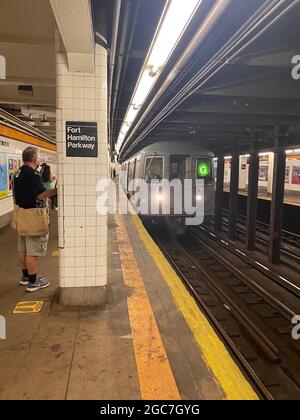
81, 139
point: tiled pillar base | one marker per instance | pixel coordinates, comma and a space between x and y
83, 296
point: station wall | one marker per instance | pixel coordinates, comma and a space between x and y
10, 161
266, 173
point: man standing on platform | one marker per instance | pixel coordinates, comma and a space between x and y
29, 193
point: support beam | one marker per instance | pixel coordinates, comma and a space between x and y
16, 81
75, 24
234, 196
219, 193
252, 201
277, 207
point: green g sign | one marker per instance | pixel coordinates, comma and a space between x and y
203, 170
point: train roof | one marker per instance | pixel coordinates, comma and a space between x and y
174, 147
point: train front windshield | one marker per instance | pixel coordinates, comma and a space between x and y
154, 169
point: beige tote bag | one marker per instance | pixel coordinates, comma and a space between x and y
31, 222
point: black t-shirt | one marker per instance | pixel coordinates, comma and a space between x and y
27, 187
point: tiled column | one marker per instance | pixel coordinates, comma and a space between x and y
81, 97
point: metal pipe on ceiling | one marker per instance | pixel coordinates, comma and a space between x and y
230, 48
211, 19
124, 70
12, 121
268, 8
120, 61
112, 58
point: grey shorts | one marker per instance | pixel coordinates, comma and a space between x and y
33, 246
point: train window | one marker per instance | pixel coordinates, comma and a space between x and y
178, 167
204, 169
154, 169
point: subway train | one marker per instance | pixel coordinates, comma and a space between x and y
178, 181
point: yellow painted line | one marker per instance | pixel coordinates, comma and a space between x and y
155, 374
214, 352
30, 307
15, 134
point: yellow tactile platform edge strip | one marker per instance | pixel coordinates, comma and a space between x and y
155, 374
214, 353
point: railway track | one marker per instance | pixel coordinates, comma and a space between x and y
255, 326
290, 241
278, 279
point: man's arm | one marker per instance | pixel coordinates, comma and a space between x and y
47, 194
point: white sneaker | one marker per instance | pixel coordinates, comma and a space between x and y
40, 283
24, 280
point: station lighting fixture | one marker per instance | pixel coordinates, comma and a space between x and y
290, 152
176, 17
266, 154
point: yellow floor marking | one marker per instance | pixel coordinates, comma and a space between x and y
28, 307
55, 253
155, 374
215, 354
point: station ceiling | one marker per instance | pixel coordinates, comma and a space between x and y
27, 42
233, 99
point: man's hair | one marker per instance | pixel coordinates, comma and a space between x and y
29, 154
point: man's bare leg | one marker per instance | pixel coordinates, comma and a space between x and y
22, 259
31, 264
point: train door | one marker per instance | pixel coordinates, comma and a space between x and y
178, 171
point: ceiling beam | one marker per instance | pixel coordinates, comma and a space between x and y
10, 39
75, 24
16, 81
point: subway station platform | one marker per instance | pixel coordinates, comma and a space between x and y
150, 341
290, 198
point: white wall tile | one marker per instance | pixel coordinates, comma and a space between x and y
80, 211
80, 231
79, 262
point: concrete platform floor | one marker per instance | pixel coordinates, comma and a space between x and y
91, 353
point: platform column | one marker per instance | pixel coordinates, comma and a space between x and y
234, 196
276, 220
252, 201
81, 98
219, 193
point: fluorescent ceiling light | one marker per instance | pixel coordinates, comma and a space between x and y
266, 154
176, 16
